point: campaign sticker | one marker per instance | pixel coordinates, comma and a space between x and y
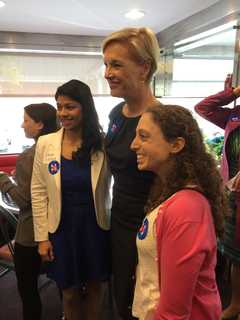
142, 233
113, 128
235, 118
53, 167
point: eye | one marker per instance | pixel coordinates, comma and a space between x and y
143, 136
71, 107
116, 65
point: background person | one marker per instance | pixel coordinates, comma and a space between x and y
39, 119
177, 241
212, 109
70, 199
130, 58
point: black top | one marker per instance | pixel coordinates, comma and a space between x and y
131, 186
233, 151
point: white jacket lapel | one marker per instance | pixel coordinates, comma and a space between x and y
96, 166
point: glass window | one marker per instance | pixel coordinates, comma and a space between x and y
195, 68
36, 74
12, 139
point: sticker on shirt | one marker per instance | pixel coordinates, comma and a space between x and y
53, 167
235, 118
115, 126
142, 233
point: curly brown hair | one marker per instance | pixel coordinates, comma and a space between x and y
192, 165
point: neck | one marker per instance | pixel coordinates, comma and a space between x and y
136, 105
72, 136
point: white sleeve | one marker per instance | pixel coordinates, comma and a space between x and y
39, 195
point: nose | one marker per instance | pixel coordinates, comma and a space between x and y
108, 72
61, 112
134, 144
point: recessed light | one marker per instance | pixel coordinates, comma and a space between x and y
2, 4
135, 14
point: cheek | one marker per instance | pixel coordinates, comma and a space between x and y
160, 153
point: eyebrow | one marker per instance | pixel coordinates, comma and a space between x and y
113, 61
68, 104
143, 131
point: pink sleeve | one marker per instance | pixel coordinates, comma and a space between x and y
211, 108
182, 254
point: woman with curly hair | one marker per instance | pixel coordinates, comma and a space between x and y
177, 241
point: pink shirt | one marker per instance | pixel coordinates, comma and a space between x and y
186, 244
186, 250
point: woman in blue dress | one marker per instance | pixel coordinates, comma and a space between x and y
70, 200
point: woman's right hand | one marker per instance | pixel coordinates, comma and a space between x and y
45, 250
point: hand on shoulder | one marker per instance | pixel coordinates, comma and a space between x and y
236, 91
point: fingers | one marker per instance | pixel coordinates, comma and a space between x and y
45, 250
50, 254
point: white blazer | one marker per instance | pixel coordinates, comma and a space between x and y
46, 186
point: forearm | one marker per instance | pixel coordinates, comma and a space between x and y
213, 107
18, 194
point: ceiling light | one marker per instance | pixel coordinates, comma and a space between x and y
2, 4
135, 14
42, 51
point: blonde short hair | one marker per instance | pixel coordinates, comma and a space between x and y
142, 42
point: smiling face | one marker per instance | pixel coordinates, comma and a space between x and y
69, 113
124, 74
31, 128
153, 151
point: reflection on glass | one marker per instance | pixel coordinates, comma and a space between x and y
198, 66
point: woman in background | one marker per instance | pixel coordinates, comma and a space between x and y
70, 200
177, 241
130, 58
39, 119
213, 109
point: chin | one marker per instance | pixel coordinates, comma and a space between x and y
141, 167
116, 94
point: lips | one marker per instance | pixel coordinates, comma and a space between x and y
66, 122
140, 158
113, 84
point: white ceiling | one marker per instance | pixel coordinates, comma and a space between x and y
93, 17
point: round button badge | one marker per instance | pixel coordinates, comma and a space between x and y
53, 167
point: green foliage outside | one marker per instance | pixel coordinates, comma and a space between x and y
215, 146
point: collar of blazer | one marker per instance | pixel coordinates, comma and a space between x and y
53, 153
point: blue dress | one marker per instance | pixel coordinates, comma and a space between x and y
80, 246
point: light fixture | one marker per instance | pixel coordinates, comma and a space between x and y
60, 52
135, 14
2, 4
207, 33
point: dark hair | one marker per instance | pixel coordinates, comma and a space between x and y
45, 113
92, 135
193, 164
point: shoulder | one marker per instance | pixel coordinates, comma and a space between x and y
184, 207
116, 111
27, 154
48, 138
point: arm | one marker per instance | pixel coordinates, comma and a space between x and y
211, 108
182, 255
20, 192
40, 206
39, 196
